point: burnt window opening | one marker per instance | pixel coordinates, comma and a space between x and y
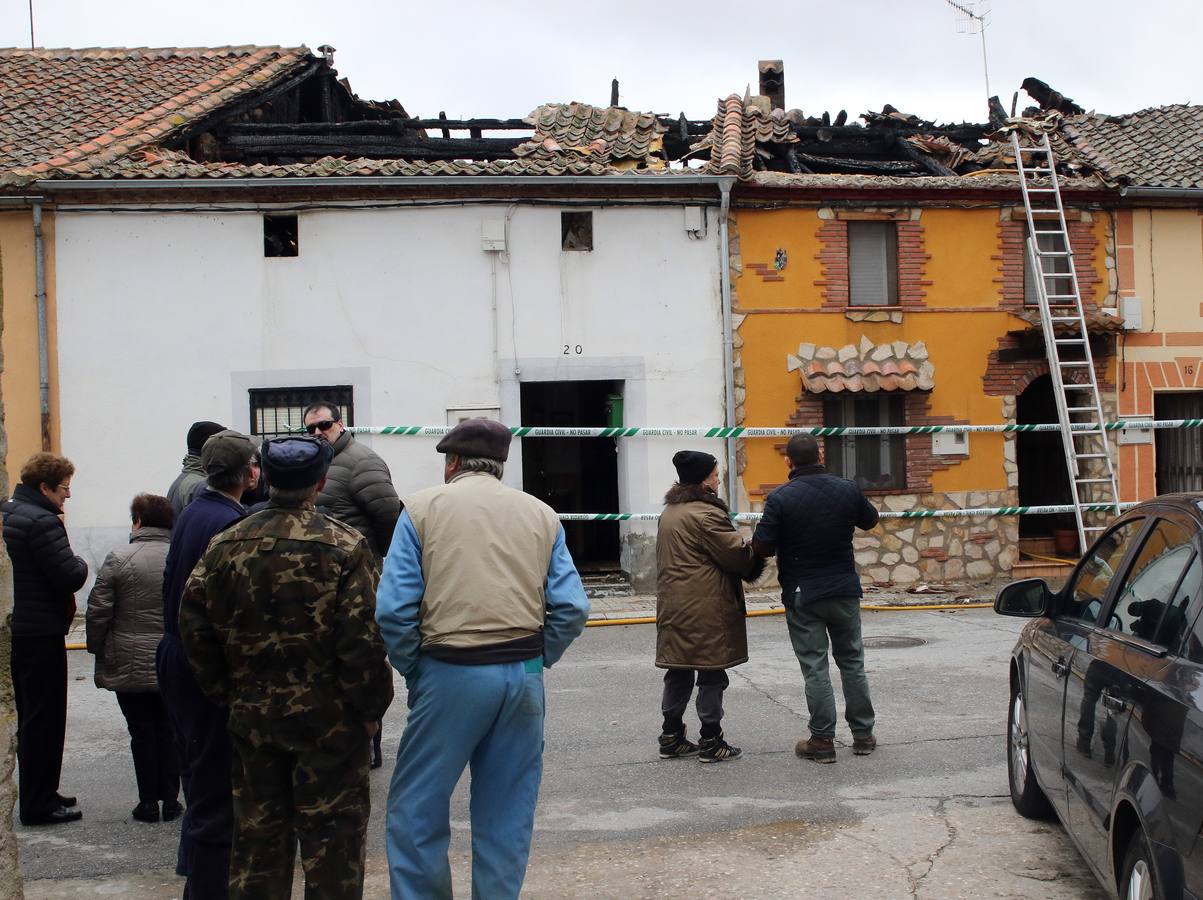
280, 411
280, 236
872, 264
874, 462
576, 230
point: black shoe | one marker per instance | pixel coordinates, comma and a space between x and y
715, 749
146, 811
674, 745
54, 817
172, 810
65, 801
377, 760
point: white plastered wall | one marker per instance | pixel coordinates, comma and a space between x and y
169, 317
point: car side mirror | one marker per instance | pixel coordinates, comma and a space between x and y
1027, 599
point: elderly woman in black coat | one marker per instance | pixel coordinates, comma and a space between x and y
125, 625
46, 575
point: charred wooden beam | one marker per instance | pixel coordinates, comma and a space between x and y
443, 120
962, 134
372, 146
1050, 99
872, 166
614, 92
795, 164
998, 115
934, 166
870, 145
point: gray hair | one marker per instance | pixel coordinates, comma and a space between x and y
494, 467
290, 496
230, 480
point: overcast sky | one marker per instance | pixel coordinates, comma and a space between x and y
502, 59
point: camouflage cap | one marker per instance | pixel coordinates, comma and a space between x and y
227, 451
296, 462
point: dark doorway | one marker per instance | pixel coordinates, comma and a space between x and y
574, 475
1179, 450
1040, 458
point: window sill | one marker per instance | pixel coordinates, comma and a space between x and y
874, 314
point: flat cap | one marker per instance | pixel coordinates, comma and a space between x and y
227, 451
477, 438
296, 462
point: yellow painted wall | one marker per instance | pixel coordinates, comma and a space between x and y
1167, 258
963, 246
19, 382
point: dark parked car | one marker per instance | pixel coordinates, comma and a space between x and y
1105, 725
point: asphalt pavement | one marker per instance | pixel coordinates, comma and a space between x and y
926, 816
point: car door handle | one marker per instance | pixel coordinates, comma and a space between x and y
1114, 703
1061, 668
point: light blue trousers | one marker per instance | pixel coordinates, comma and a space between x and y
490, 719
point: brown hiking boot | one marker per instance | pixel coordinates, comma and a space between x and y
863, 746
820, 749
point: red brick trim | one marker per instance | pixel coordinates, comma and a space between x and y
912, 263
1012, 248
1012, 378
765, 271
832, 239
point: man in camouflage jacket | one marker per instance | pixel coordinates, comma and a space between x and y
278, 623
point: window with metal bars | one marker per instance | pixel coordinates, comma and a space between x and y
279, 411
1179, 450
875, 462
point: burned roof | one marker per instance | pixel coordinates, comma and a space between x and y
68, 110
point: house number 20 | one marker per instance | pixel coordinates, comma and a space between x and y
573, 350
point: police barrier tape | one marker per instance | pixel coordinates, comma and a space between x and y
984, 511
748, 432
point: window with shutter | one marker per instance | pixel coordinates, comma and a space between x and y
872, 264
1052, 264
280, 411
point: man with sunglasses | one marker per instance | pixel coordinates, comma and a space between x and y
358, 491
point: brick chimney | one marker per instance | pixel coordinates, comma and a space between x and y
772, 82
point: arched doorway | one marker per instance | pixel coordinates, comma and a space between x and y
1040, 459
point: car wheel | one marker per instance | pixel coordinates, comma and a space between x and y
1026, 794
1139, 879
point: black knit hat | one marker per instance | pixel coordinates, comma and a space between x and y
478, 437
201, 432
296, 461
693, 466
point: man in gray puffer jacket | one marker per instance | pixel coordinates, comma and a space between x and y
359, 489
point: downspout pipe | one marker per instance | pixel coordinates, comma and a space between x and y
39, 263
728, 340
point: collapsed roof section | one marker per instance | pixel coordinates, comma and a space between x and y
277, 113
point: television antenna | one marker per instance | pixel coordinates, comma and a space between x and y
973, 19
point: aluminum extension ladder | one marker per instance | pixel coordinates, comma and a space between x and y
1087, 449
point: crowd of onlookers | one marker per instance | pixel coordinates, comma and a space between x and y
245, 635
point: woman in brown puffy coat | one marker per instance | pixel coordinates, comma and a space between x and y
125, 623
701, 562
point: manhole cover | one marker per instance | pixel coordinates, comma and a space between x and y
893, 642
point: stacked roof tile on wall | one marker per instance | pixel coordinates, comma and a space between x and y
607, 134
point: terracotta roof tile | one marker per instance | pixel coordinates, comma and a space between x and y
736, 130
866, 367
1157, 147
66, 105
607, 134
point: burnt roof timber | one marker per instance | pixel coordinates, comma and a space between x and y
371, 146
963, 133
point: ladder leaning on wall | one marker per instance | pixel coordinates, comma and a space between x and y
1087, 450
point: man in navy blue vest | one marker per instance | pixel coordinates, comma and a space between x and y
231, 465
808, 524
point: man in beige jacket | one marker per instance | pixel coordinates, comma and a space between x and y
477, 598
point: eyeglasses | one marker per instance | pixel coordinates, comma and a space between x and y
323, 426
